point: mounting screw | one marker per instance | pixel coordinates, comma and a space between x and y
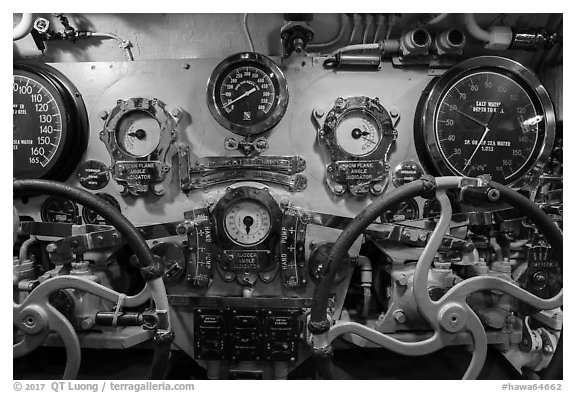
176, 112
51, 247
493, 195
402, 279
399, 316
319, 112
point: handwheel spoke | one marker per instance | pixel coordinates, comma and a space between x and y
59, 324
474, 326
418, 348
480, 283
28, 344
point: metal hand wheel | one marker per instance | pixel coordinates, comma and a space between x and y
36, 317
450, 314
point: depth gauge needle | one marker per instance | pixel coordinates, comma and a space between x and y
469, 117
246, 94
486, 129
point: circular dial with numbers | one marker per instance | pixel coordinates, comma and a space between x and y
358, 133
56, 209
49, 123
247, 222
247, 93
91, 217
486, 119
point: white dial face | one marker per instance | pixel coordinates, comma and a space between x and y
138, 134
357, 133
247, 223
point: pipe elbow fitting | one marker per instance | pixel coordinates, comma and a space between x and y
450, 42
415, 42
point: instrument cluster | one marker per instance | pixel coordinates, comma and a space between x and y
241, 174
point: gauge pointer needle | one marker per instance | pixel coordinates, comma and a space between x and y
246, 94
469, 117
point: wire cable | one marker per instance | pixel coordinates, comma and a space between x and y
248, 33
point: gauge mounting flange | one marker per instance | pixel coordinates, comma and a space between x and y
356, 136
486, 115
247, 93
248, 222
138, 134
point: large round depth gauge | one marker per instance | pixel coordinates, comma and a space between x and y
50, 126
487, 115
247, 93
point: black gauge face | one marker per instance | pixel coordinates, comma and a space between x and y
59, 210
486, 116
93, 174
247, 94
91, 217
358, 133
406, 172
49, 125
487, 123
405, 210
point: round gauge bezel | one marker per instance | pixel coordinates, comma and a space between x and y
108, 199
259, 196
74, 134
44, 214
259, 61
357, 111
425, 137
410, 201
227, 229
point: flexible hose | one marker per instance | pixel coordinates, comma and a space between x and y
349, 236
475, 30
109, 213
22, 29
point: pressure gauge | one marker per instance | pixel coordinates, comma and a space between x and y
247, 93
487, 115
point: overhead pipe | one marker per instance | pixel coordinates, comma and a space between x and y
24, 27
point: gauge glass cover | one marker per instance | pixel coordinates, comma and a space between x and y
247, 222
358, 133
59, 210
247, 93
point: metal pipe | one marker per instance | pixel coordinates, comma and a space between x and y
23, 253
475, 30
125, 44
24, 27
345, 20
